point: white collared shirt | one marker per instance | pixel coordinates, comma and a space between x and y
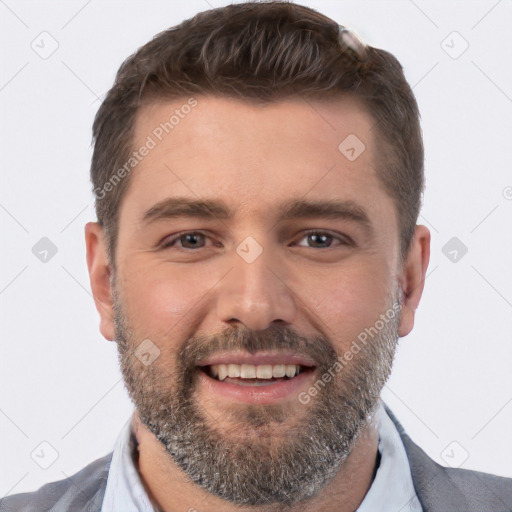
392, 489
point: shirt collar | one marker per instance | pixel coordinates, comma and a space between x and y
392, 488
125, 491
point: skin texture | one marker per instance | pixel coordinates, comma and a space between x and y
254, 158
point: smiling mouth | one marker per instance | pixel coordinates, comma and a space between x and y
254, 375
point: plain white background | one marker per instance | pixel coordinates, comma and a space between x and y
59, 381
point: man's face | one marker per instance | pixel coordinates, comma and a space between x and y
254, 287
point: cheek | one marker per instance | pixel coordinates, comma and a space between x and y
158, 300
351, 301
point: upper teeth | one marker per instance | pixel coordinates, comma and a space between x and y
249, 371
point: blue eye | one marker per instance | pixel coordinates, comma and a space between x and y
323, 237
191, 240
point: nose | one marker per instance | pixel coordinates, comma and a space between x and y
256, 293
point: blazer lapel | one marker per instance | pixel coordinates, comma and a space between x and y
433, 486
86, 489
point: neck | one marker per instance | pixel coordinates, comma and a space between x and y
170, 489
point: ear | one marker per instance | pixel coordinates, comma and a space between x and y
99, 276
412, 277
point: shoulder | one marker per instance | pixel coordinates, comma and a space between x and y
82, 491
453, 489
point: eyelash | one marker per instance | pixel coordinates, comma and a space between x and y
343, 239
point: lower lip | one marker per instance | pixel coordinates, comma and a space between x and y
267, 394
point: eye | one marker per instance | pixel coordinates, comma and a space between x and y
323, 239
189, 240
192, 240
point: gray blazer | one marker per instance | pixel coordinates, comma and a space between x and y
439, 489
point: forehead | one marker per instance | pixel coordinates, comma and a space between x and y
255, 157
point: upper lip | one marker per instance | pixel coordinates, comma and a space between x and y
259, 358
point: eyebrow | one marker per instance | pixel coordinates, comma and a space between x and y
210, 209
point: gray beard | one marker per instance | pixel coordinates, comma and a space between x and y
260, 462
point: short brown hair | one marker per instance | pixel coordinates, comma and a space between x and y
263, 52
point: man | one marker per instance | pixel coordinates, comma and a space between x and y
258, 174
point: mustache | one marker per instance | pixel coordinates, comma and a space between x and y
273, 338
